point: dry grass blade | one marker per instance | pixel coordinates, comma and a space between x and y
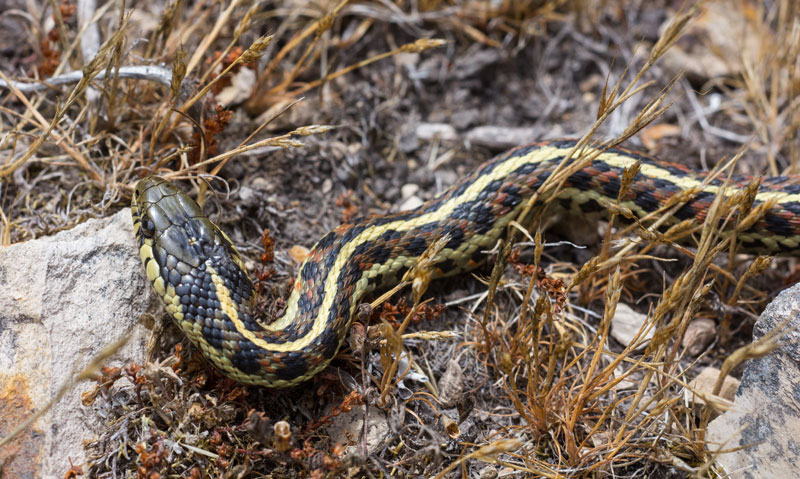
415, 47
250, 55
89, 72
201, 49
281, 141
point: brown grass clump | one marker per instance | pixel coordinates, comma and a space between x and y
535, 385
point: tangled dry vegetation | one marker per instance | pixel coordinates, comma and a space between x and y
535, 386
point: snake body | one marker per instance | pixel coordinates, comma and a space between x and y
200, 276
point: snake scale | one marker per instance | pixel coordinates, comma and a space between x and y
200, 276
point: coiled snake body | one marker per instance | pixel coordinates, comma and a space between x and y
201, 279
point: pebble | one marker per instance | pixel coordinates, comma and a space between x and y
704, 383
298, 253
411, 202
501, 137
441, 131
699, 335
261, 183
626, 323
408, 190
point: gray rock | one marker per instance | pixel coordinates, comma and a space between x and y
766, 417
63, 299
441, 131
501, 137
411, 203
451, 384
347, 428
626, 324
699, 334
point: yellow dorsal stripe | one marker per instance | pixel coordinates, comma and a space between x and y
502, 170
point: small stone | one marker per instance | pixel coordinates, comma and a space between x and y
699, 335
353, 149
241, 87
298, 253
501, 137
246, 194
277, 117
451, 385
466, 118
488, 471
626, 384
441, 131
391, 192
625, 325
411, 203
347, 427
407, 60
337, 150
261, 184
327, 186
704, 384
408, 140
408, 190
469, 65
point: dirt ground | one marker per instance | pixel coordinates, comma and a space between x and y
406, 128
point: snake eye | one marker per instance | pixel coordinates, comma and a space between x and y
148, 228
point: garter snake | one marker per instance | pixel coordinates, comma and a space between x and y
201, 278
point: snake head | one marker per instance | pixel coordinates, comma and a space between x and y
172, 230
